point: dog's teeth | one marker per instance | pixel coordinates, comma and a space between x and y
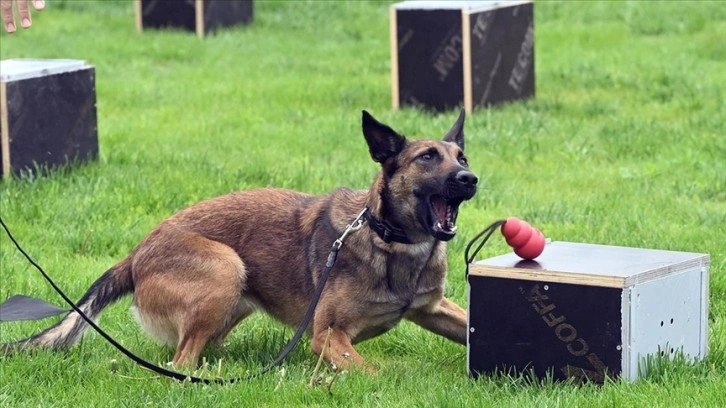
453, 228
449, 215
438, 225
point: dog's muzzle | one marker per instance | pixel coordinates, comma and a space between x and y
444, 208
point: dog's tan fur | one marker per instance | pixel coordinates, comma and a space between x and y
204, 269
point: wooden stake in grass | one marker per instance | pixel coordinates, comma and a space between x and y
283, 371
219, 369
317, 379
335, 376
313, 379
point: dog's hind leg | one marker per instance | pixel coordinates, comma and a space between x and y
202, 327
190, 292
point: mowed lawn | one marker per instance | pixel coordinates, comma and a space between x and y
624, 144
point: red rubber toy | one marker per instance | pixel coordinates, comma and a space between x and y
528, 242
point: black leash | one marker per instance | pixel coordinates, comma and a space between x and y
486, 233
354, 226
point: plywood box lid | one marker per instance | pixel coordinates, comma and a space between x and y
456, 5
19, 69
590, 265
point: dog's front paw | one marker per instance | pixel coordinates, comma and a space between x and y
348, 365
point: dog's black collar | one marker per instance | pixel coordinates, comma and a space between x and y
384, 230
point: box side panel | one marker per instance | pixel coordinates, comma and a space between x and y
502, 54
393, 33
666, 318
138, 18
567, 330
705, 296
4, 136
466, 60
430, 58
52, 120
168, 13
625, 304
224, 13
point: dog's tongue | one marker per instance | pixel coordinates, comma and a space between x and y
439, 205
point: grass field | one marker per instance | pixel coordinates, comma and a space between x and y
625, 144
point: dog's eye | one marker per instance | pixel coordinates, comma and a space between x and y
463, 161
428, 155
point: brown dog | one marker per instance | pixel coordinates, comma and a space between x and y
203, 270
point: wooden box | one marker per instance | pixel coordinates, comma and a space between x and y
586, 311
47, 114
445, 54
201, 16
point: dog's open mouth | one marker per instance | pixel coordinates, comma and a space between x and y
443, 217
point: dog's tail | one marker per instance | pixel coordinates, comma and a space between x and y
111, 286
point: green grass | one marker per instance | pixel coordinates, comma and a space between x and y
625, 144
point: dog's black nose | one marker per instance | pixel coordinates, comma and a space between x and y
466, 178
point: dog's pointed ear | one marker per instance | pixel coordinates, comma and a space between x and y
383, 142
456, 133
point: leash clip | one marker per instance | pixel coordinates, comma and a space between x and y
354, 226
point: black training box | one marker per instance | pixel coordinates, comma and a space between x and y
47, 114
586, 311
201, 16
445, 54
